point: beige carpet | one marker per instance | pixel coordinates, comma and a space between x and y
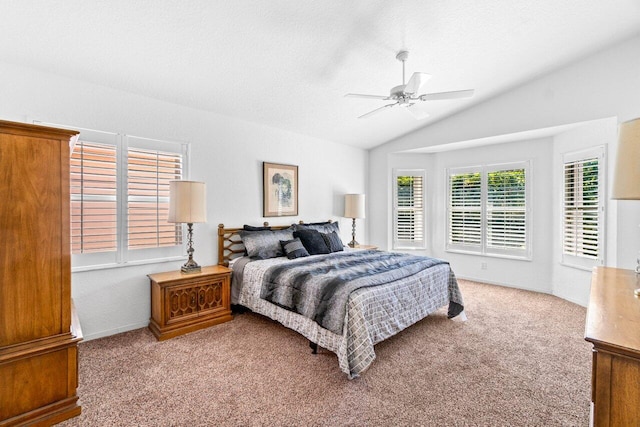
519, 360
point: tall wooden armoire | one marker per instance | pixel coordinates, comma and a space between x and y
38, 343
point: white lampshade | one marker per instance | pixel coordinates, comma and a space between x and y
187, 201
626, 180
354, 205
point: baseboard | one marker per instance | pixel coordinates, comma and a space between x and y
570, 299
506, 285
115, 331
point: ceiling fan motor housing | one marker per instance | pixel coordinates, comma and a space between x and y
397, 92
402, 55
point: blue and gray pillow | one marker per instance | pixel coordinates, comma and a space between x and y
294, 248
333, 241
265, 244
312, 241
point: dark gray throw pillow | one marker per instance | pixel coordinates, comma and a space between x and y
265, 244
333, 241
294, 248
312, 241
324, 227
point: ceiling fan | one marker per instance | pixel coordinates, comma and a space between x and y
407, 94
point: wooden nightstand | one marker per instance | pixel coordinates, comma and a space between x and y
182, 303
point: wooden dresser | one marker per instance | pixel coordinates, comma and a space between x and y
38, 342
182, 303
613, 326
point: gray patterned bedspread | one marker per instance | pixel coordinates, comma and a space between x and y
318, 287
373, 313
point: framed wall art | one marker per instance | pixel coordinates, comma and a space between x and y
280, 189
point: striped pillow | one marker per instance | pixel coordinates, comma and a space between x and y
293, 248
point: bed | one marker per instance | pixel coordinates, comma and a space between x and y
371, 301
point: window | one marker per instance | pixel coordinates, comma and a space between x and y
487, 210
94, 205
465, 210
148, 174
120, 199
583, 208
408, 219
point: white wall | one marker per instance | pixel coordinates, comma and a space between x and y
413, 161
571, 283
534, 274
603, 85
226, 153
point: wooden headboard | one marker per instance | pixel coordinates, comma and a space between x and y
230, 245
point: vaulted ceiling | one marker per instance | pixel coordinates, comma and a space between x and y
289, 63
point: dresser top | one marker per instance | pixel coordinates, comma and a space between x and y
176, 275
613, 314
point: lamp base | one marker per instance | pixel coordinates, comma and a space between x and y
190, 266
353, 243
188, 269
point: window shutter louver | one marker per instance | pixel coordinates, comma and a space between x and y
506, 213
465, 210
93, 198
581, 213
409, 210
148, 176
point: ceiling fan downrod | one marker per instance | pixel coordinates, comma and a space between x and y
402, 57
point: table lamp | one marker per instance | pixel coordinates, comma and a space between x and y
188, 204
626, 179
353, 208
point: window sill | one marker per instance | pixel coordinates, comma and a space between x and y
407, 248
127, 264
513, 257
578, 267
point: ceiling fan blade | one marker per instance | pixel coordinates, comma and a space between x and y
415, 83
377, 110
360, 95
416, 112
446, 95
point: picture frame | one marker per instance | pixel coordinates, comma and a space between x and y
279, 189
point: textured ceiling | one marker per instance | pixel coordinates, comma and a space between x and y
287, 64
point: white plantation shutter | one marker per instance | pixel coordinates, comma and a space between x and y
465, 210
583, 207
409, 199
119, 189
487, 210
93, 198
148, 176
506, 228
